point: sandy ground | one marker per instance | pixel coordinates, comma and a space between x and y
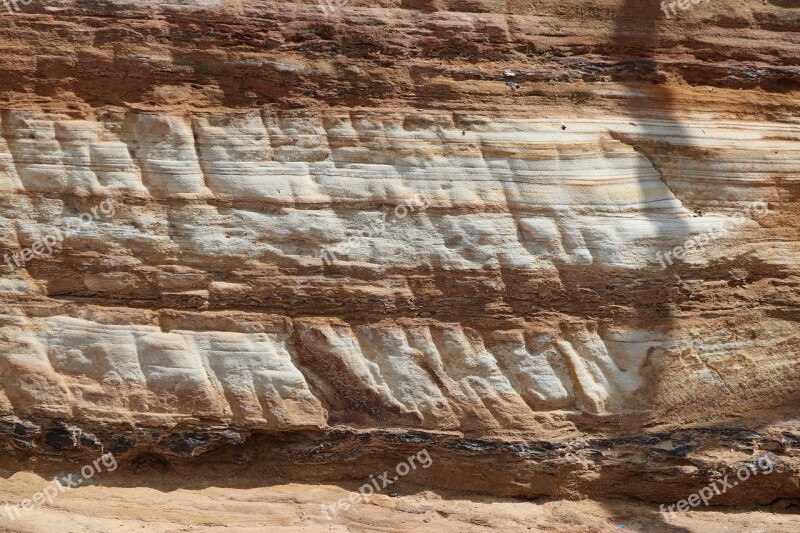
296, 507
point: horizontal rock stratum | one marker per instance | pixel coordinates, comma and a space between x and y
557, 246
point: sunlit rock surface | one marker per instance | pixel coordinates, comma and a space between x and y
257, 234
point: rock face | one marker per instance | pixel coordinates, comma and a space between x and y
558, 246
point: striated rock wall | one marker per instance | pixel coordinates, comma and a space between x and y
556, 244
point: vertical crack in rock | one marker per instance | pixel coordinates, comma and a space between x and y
630, 140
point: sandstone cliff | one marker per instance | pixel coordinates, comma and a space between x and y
556, 245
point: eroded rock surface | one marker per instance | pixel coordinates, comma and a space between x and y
267, 235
